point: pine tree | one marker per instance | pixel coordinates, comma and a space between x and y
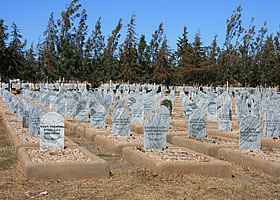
3, 49
143, 59
93, 58
129, 66
49, 51
66, 45
30, 69
111, 63
160, 55
229, 54
15, 54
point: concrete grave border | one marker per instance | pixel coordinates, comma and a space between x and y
218, 168
113, 147
202, 147
231, 135
97, 168
266, 166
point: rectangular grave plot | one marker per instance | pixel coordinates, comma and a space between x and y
217, 168
94, 169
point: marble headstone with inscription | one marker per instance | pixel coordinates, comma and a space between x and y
148, 105
34, 120
197, 124
188, 111
154, 132
243, 111
97, 116
225, 119
82, 111
270, 124
61, 104
256, 110
250, 133
70, 107
119, 103
51, 131
137, 113
26, 114
212, 111
165, 113
121, 122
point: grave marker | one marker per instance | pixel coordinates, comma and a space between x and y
121, 122
197, 124
154, 132
250, 133
52, 131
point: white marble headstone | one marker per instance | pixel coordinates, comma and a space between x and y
197, 124
270, 124
250, 133
154, 132
97, 116
52, 131
121, 122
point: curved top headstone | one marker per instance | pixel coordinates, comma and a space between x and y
52, 131
250, 133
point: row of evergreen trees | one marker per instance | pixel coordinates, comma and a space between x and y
248, 56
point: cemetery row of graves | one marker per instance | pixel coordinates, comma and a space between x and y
187, 130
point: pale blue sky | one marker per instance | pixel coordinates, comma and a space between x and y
207, 16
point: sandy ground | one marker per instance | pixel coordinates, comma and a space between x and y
129, 182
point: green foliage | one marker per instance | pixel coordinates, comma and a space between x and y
168, 104
248, 56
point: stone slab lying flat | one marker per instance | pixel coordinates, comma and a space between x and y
216, 168
202, 147
112, 146
94, 169
252, 162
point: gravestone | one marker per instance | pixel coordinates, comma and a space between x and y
53, 102
70, 107
225, 119
165, 113
256, 110
188, 111
148, 105
119, 103
154, 132
34, 120
197, 124
52, 131
20, 110
137, 113
243, 111
82, 111
250, 133
97, 116
61, 104
212, 111
26, 114
270, 124
121, 122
